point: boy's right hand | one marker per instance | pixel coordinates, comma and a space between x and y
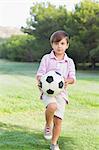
40, 88
40, 85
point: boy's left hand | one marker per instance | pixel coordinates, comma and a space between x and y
65, 83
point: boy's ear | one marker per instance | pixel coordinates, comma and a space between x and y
52, 45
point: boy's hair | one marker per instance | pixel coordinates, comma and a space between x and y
58, 36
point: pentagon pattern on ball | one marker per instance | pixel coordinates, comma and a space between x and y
49, 79
61, 84
50, 91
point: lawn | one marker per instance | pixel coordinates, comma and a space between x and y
22, 113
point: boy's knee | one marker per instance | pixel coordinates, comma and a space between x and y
52, 107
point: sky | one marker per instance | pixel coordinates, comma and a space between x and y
15, 12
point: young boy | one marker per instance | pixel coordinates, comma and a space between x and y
58, 61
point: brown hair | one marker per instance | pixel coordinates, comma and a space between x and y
58, 36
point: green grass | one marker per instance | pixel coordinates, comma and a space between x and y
22, 113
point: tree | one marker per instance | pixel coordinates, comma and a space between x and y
18, 48
45, 19
87, 17
94, 56
82, 26
77, 50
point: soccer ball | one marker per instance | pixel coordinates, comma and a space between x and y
52, 83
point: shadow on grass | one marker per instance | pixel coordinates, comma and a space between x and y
14, 137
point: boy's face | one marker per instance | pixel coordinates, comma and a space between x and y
60, 47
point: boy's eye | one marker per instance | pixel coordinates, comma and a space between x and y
62, 43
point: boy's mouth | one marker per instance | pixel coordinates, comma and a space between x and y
59, 50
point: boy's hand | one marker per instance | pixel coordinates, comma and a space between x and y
65, 83
68, 81
39, 82
39, 85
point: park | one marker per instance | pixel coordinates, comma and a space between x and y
22, 113
21, 110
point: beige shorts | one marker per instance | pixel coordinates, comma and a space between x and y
59, 100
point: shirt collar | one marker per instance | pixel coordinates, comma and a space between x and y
52, 56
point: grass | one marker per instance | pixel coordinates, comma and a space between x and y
22, 113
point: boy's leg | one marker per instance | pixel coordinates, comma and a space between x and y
51, 106
58, 117
56, 130
49, 113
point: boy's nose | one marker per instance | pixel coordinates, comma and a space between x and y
59, 45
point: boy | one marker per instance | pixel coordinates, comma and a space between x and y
58, 61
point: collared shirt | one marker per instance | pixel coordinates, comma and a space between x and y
65, 67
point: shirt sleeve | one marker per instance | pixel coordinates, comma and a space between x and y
72, 72
42, 68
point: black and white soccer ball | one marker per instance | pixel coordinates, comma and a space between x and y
52, 83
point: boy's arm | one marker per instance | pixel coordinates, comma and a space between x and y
38, 78
71, 79
42, 68
41, 71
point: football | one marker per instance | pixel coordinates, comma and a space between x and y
52, 83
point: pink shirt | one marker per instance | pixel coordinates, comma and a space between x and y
65, 67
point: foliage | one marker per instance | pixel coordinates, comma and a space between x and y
94, 56
94, 53
45, 19
82, 25
87, 26
18, 48
87, 17
77, 50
